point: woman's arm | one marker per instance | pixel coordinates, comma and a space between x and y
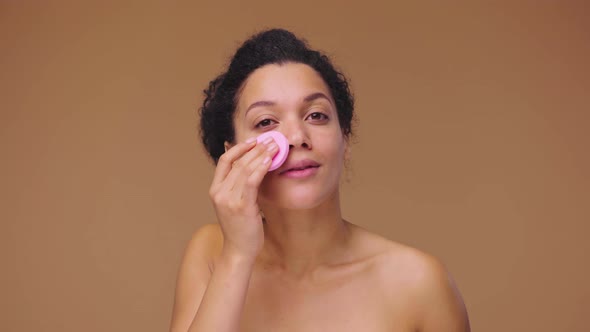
222, 304
210, 297
207, 298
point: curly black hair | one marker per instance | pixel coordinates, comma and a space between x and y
275, 46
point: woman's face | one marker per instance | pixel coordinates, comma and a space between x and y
293, 99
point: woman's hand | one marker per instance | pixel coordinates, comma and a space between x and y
234, 192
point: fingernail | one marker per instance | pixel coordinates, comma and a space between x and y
266, 160
272, 147
268, 140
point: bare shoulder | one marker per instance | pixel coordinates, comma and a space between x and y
417, 280
396, 259
196, 265
205, 243
209, 233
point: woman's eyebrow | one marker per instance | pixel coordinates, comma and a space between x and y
308, 99
258, 104
315, 96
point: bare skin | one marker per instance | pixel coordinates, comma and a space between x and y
304, 268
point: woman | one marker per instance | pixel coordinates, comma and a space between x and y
281, 258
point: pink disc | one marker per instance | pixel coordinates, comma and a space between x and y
280, 157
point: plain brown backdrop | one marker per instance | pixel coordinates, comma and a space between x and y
472, 145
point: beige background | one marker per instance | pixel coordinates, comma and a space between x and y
472, 145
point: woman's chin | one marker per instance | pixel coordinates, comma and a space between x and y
298, 204
296, 200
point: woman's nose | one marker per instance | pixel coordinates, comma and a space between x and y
297, 136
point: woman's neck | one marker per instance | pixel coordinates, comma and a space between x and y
297, 242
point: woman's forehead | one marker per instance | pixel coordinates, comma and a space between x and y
281, 83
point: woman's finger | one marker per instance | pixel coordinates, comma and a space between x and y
245, 188
244, 166
224, 164
252, 184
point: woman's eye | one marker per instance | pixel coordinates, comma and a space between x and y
318, 116
264, 123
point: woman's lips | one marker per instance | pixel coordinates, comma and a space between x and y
297, 173
299, 169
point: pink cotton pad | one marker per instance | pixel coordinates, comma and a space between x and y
280, 157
